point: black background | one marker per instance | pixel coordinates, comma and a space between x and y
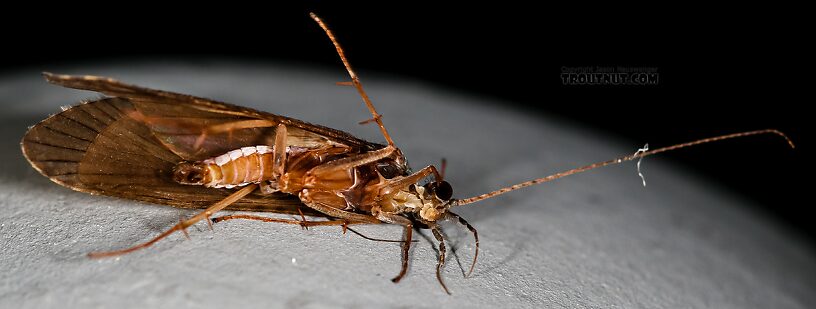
722, 70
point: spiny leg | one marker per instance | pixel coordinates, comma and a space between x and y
303, 218
327, 210
228, 127
303, 222
279, 161
352, 161
369, 120
279, 220
401, 182
408, 228
182, 226
184, 230
441, 263
406, 247
354, 79
462, 221
376, 239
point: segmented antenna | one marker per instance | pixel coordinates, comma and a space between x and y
636, 155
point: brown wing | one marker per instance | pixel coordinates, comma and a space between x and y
98, 147
178, 120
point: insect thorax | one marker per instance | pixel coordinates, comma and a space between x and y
411, 200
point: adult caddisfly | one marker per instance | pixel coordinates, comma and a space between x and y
191, 152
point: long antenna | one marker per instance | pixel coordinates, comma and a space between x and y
354, 79
637, 155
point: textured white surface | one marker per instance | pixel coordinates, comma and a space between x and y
598, 239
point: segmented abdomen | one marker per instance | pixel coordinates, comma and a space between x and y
241, 167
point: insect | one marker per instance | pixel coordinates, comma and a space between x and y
190, 152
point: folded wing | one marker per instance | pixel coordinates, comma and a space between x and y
98, 147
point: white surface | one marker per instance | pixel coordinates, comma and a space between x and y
598, 239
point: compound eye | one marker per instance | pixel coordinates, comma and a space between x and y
443, 190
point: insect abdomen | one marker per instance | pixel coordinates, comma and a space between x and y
241, 167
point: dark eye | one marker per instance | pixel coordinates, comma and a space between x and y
443, 190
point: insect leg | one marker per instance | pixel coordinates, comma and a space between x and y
375, 239
229, 127
462, 221
354, 79
402, 182
408, 228
279, 161
355, 218
285, 221
336, 213
343, 223
181, 226
441, 263
352, 161
304, 220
